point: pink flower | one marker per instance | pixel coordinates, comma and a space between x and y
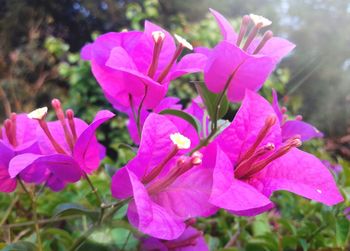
190, 240
252, 161
168, 103
294, 126
16, 137
134, 68
68, 147
335, 168
163, 182
235, 67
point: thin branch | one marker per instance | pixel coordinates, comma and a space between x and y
138, 121
9, 210
40, 222
233, 239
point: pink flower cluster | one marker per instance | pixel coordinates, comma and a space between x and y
179, 173
50, 153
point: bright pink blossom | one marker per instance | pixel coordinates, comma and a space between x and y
173, 103
235, 66
68, 150
166, 103
166, 186
293, 126
135, 68
190, 240
252, 161
16, 137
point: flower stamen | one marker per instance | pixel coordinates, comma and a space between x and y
269, 122
9, 131
259, 22
56, 104
158, 38
299, 117
70, 117
40, 115
243, 29
258, 166
268, 34
245, 166
183, 164
182, 44
180, 141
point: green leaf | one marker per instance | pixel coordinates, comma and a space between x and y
21, 246
62, 237
303, 243
102, 236
342, 230
121, 212
181, 114
261, 225
124, 239
210, 99
212, 242
67, 209
289, 242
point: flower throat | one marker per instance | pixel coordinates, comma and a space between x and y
257, 158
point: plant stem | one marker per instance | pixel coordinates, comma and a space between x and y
126, 241
204, 123
36, 225
219, 101
31, 195
98, 197
9, 209
134, 115
203, 142
138, 120
40, 222
94, 190
80, 241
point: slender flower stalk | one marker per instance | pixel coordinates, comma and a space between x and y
32, 198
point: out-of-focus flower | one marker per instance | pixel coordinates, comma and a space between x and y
294, 126
190, 240
234, 66
252, 161
336, 168
17, 136
68, 148
135, 68
347, 213
163, 182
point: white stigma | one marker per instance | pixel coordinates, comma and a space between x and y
319, 191
158, 35
260, 20
183, 42
180, 140
39, 113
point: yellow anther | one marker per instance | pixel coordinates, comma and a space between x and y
180, 140
39, 113
158, 36
262, 21
183, 42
